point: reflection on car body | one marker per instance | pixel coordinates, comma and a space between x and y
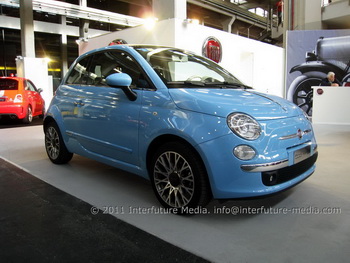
181, 121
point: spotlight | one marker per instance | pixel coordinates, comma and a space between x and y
150, 23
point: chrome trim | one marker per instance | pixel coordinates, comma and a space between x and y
295, 135
265, 167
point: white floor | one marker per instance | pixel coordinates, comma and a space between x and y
309, 223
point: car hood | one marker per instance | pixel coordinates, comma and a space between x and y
222, 102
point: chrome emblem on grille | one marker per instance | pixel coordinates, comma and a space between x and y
300, 134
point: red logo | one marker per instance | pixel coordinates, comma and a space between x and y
212, 49
117, 42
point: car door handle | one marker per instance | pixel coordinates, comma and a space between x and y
76, 103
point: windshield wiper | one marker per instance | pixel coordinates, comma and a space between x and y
222, 85
226, 84
187, 82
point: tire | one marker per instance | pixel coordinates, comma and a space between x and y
29, 116
55, 148
179, 178
301, 94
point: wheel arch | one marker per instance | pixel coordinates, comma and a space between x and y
166, 138
29, 105
26, 109
311, 67
47, 120
55, 115
162, 139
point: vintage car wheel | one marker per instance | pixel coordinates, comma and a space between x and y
179, 178
301, 94
29, 116
54, 145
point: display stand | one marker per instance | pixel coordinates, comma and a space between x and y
331, 105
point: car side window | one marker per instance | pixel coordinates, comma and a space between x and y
30, 86
79, 72
94, 69
106, 63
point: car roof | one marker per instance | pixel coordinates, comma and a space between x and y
131, 46
15, 78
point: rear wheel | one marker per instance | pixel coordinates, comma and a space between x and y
29, 116
179, 178
54, 145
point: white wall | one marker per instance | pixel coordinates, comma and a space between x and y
162, 34
36, 70
255, 63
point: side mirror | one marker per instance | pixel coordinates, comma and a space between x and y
123, 81
40, 90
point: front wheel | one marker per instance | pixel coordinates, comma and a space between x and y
54, 145
179, 178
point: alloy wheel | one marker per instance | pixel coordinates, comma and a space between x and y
52, 142
174, 179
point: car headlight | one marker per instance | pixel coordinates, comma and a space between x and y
244, 126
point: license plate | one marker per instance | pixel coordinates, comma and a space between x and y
302, 154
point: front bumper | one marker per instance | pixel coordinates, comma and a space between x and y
281, 162
304, 152
282, 175
274, 173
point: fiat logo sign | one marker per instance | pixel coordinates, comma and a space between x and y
117, 42
300, 134
212, 49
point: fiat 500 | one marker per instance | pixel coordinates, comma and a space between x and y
20, 99
181, 121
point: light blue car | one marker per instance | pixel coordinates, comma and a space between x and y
181, 121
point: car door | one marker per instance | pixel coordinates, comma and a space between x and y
34, 97
104, 120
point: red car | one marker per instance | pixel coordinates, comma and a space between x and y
19, 98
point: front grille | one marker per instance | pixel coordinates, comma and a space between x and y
288, 173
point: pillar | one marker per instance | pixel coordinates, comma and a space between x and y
166, 9
227, 24
64, 42
27, 28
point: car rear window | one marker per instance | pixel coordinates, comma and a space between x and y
8, 84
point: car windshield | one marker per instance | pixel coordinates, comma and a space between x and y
178, 68
8, 84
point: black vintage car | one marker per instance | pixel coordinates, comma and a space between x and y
330, 54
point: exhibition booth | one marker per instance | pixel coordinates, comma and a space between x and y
256, 64
310, 217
